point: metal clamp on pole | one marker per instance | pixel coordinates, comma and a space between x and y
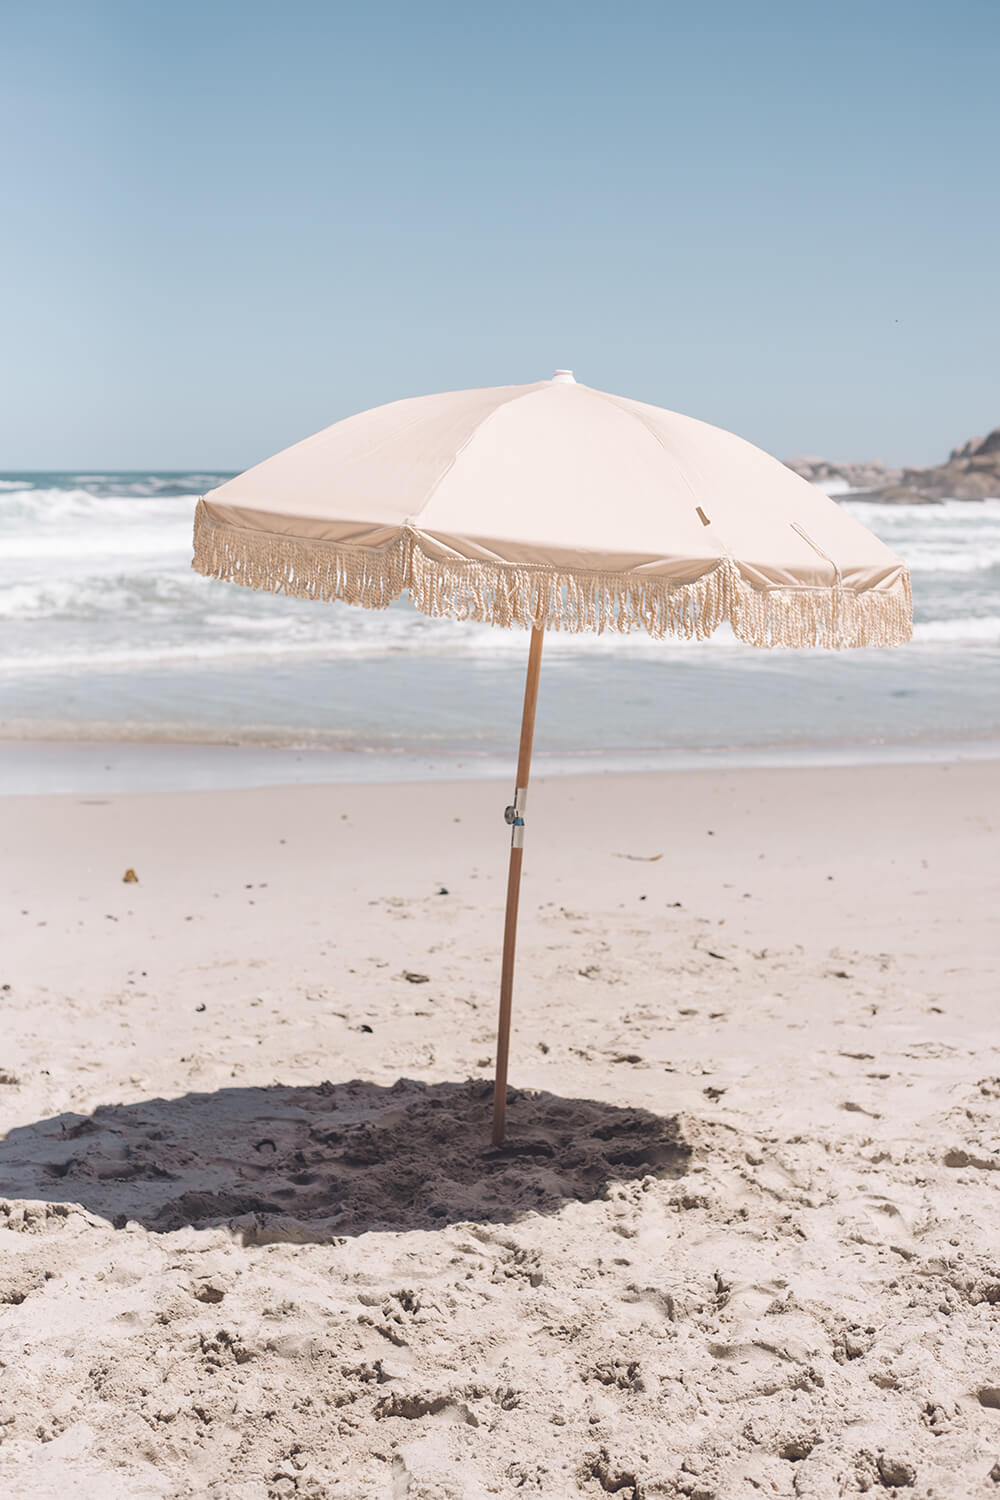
514, 815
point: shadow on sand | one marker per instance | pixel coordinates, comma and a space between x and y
306, 1164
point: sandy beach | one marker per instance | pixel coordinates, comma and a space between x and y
407, 404
742, 1239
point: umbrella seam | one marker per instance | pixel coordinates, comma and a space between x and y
373, 447
638, 417
532, 390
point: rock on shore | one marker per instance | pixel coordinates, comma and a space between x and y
972, 472
874, 475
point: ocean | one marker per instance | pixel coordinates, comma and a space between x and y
108, 637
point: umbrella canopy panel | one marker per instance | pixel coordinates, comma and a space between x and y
556, 505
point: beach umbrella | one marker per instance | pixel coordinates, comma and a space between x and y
554, 506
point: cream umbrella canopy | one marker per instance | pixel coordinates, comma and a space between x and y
554, 506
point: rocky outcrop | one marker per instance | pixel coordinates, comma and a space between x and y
868, 476
972, 472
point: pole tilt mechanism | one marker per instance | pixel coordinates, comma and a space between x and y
514, 815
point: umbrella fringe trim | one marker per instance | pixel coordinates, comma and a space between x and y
264, 560
533, 594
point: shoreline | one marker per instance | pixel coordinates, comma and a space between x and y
74, 766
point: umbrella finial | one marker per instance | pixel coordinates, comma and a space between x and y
563, 377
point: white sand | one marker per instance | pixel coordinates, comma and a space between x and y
744, 1242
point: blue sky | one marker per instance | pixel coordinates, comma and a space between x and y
228, 224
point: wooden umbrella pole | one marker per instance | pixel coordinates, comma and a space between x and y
515, 816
